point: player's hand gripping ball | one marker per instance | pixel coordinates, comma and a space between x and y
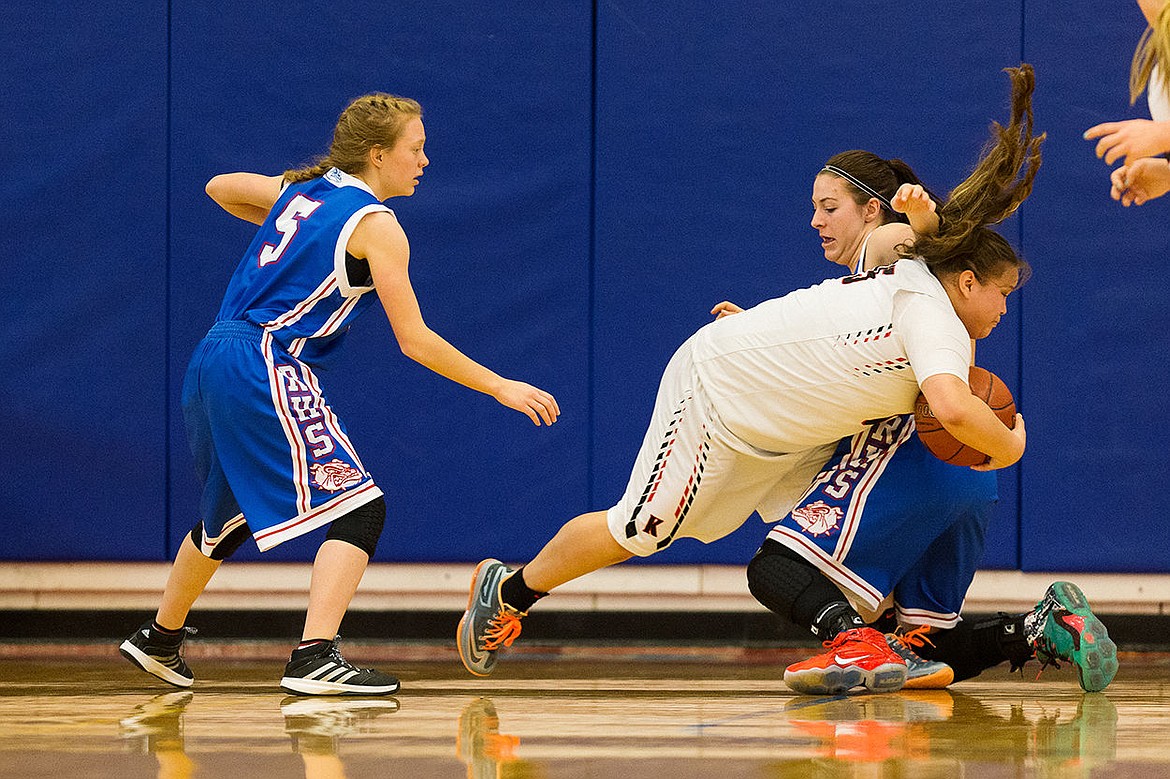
986, 386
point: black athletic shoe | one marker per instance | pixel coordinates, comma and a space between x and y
157, 725
159, 654
326, 672
317, 725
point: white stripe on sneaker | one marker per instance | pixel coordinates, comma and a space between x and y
338, 673
321, 672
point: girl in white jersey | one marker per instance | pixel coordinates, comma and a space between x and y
884, 522
274, 458
1141, 143
751, 406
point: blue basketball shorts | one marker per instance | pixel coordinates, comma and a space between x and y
884, 518
268, 448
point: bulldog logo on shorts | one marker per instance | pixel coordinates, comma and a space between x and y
335, 475
818, 518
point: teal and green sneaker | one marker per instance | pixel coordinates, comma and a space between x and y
1062, 627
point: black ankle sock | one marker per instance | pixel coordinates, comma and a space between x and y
157, 628
310, 647
971, 648
887, 622
835, 618
517, 594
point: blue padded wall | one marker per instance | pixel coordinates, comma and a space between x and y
1095, 346
82, 357
499, 245
601, 175
711, 128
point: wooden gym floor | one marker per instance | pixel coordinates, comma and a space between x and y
566, 712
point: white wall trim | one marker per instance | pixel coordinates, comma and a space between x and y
443, 587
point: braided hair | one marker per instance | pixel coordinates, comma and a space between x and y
371, 120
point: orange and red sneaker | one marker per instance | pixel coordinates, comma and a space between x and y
855, 658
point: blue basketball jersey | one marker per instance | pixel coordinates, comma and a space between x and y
268, 447
296, 280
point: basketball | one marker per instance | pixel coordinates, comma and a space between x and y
986, 386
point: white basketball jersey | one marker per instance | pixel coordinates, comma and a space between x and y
1157, 96
815, 365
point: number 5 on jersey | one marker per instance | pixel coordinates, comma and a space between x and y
300, 207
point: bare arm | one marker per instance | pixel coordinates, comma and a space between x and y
881, 248
1150, 9
883, 243
248, 196
969, 419
380, 240
912, 200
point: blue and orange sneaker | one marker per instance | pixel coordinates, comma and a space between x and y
921, 674
489, 624
1062, 627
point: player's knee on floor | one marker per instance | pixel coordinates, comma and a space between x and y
361, 527
789, 585
223, 546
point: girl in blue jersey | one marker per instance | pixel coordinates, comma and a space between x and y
885, 523
275, 460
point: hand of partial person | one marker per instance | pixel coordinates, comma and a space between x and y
726, 308
994, 464
1131, 139
911, 199
1141, 182
534, 402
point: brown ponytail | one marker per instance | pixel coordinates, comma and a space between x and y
1000, 182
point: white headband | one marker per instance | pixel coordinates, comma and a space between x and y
859, 184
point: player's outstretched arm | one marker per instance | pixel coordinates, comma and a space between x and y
882, 247
380, 240
248, 196
972, 422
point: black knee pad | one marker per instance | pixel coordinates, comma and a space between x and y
789, 585
361, 527
223, 546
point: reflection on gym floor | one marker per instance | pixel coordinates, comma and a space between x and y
575, 721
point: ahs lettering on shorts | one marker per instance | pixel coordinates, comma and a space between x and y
328, 473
